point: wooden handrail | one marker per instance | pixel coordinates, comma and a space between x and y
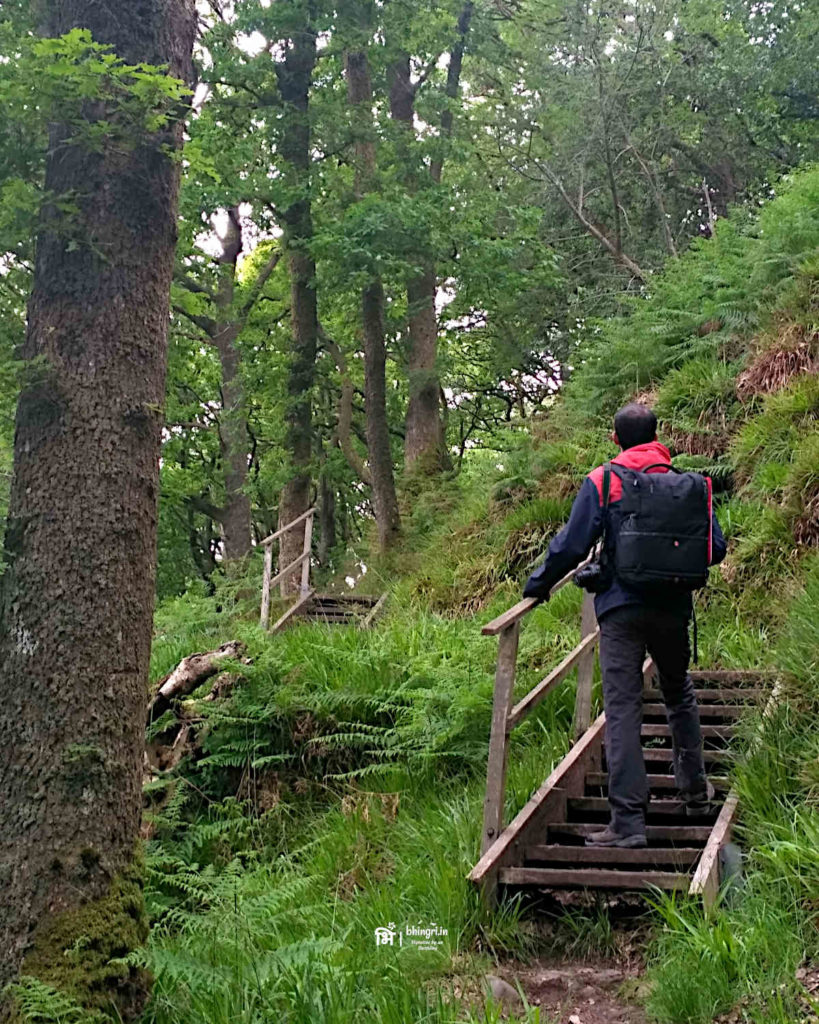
517, 611
505, 717
303, 560
545, 686
284, 529
289, 568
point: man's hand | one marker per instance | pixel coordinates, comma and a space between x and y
540, 596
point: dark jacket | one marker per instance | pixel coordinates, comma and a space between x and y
585, 527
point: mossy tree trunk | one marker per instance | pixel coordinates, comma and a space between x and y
233, 435
425, 437
295, 77
78, 591
360, 99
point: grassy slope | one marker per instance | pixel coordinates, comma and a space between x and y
342, 783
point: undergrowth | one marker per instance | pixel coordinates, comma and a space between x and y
338, 789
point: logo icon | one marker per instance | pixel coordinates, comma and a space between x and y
428, 937
387, 936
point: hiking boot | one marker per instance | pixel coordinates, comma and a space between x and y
699, 803
608, 837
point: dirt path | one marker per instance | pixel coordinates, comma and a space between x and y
579, 993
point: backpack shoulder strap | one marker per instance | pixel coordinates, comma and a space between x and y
606, 484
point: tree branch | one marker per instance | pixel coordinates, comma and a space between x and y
258, 285
345, 410
204, 323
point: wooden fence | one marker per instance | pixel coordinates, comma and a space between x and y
305, 592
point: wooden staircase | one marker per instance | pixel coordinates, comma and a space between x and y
343, 609
543, 847
331, 609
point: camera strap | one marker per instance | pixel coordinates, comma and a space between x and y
606, 493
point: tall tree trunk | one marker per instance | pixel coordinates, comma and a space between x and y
425, 441
78, 592
385, 502
327, 519
233, 437
295, 74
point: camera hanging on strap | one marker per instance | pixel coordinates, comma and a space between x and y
598, 574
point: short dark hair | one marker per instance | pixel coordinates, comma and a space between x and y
635, 424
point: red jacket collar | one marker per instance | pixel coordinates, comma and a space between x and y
642, 455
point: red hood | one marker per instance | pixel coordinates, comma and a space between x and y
642, 455
638, 457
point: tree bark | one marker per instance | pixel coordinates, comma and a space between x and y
425, 441
344, 428
295, 75
385, 502
233, 436
327, 520
78, 592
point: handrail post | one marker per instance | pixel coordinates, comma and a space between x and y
268, 572
499, 739
585, 669
308, 544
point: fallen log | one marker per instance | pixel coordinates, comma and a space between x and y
190, 673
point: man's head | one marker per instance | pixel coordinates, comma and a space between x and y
634, 424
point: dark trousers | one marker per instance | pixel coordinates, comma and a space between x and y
626, 633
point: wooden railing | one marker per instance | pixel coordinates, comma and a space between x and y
269, 580
505, 716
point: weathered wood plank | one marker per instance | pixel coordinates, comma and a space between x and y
509, 617
293, 565
654, 833
294, 609
306, 553
722, 694
284, 529
664, 754
600, 805
731, 676
708, 731
376, 611
522, 608
585, 666
591, 878
706, 710
574, 762
706, 879
346, 600
498, 739
679, 856
266, 587
528, 703
654, 781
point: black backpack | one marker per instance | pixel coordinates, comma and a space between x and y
664, 539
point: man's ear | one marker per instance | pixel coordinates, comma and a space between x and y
615, 438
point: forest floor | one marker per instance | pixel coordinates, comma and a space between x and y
586, 991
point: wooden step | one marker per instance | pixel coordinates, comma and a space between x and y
706, 710
680, 856
600, 805
654, 781
731, 676
682, 834
720, 695
719, 732
345, 600
651, 755
593, 878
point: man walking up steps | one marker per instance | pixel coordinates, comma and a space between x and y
659, 537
